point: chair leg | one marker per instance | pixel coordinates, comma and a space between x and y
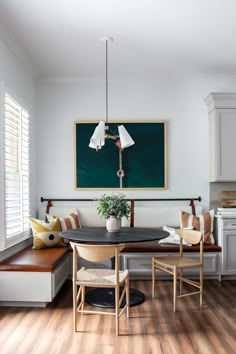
117, 297
83, 298
127, 297
75, 304
153, 279
181, 282
201, 285
175, 288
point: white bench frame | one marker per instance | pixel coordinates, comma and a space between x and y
34, 289
139, 264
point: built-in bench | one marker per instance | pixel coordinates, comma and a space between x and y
34, 277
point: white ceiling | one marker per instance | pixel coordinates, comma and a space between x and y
151, 37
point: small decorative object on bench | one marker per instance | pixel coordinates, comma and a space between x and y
113, 208
173, 238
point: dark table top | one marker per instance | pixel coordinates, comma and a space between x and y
125, 235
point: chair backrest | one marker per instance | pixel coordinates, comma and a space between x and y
191, 236
96, 253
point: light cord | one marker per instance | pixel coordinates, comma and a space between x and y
106, 82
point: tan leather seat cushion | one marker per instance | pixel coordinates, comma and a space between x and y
29, 260
154, 246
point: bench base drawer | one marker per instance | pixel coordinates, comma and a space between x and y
140, 264
32, 288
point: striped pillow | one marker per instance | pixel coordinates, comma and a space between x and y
203, 223
68, 222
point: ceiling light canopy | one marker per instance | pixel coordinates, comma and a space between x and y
101, 132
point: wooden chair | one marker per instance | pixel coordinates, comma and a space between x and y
103, 278
175, 265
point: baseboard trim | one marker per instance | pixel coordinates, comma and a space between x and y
22, 304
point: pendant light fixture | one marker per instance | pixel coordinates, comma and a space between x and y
102, 132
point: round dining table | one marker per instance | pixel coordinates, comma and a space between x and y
104, 297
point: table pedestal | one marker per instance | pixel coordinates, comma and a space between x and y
105, 297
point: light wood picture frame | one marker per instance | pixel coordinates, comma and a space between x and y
144, 164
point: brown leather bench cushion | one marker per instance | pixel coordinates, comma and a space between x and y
154, 246
47, 259
29, 260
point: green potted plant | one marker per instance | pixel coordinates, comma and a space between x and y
113, 208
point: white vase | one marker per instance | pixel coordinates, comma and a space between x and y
113, 224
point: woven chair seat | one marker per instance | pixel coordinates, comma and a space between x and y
178, 261
99, 276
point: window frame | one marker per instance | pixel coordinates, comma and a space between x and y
6, 242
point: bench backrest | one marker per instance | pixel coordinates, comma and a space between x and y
149, 216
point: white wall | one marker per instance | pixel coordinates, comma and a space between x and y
180, 101
16, 77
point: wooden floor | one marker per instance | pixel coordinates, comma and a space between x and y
152, 328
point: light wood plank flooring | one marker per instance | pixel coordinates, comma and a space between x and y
152, 327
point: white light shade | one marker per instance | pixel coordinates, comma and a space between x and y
125, 138
92, 146
98, 138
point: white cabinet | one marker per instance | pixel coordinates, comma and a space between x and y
222, 139
227, 240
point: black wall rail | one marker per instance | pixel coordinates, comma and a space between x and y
134, 199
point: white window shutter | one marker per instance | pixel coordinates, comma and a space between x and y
16, 170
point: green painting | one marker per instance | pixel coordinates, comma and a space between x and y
140, 166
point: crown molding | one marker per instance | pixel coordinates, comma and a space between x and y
220, 100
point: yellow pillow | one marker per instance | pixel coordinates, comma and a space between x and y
46, 234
